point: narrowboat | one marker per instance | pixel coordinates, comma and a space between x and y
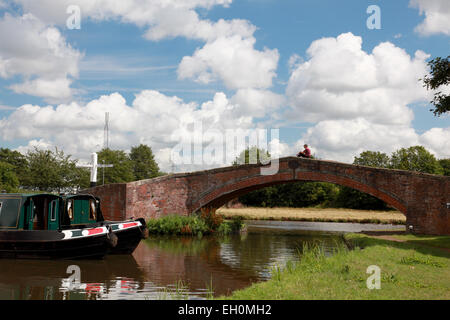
33, 226
85, 209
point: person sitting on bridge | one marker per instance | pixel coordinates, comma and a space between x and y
305, 153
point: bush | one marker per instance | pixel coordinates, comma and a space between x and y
206, 223
210, 217
179, 225
231, 226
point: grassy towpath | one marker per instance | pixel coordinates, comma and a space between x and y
412, 267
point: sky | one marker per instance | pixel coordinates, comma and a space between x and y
342, 76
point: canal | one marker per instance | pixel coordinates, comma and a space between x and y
174, 267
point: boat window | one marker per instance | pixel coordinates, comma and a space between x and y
92, 211
53, 211
70, 209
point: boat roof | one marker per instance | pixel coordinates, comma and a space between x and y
79, 195
27, 195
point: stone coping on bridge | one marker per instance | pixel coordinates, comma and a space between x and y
233, 167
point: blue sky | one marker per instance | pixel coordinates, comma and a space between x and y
112, 53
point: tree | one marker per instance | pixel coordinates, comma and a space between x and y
143, 162
8, 179
372, 159
252, 155
53, 171
445, 164
415, 158
122, 170
43, 171
439, 76
18, 161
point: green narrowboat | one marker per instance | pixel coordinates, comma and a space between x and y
85, 209
34, 226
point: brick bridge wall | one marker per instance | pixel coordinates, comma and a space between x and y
423, 198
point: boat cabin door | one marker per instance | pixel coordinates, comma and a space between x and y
29, 215
53, 215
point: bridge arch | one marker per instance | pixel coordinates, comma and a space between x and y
229, 191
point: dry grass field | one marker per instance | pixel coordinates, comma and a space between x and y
315, 214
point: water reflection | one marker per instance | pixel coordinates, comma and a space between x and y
163, 267
47, 280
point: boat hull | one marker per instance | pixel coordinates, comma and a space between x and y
52, 245
129, 235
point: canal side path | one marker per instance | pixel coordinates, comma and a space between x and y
410, 267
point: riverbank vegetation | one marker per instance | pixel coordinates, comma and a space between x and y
409, 270
205, 223
315, 215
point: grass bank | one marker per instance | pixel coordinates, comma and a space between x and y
409, 270
195, 225
316, 215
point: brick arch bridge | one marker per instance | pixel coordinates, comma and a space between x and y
423, 198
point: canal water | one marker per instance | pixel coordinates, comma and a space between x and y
173, 267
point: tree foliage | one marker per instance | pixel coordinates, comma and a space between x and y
252, 155
122, 170
445, 164
8, 179
297, 194
415, 158
373, 159
439, 76
143, 163
52, 171
17, 160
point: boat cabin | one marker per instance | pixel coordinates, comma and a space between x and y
30, 212
48, 211
82, 209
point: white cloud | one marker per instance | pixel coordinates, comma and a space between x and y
162, 18
228, 55
233, 60
437, 141
359, 101
39, 54
341, 140
153, 118
40, 144
51, 90
341, 81
258, 103
437, 16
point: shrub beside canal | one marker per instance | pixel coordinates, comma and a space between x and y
207, 222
